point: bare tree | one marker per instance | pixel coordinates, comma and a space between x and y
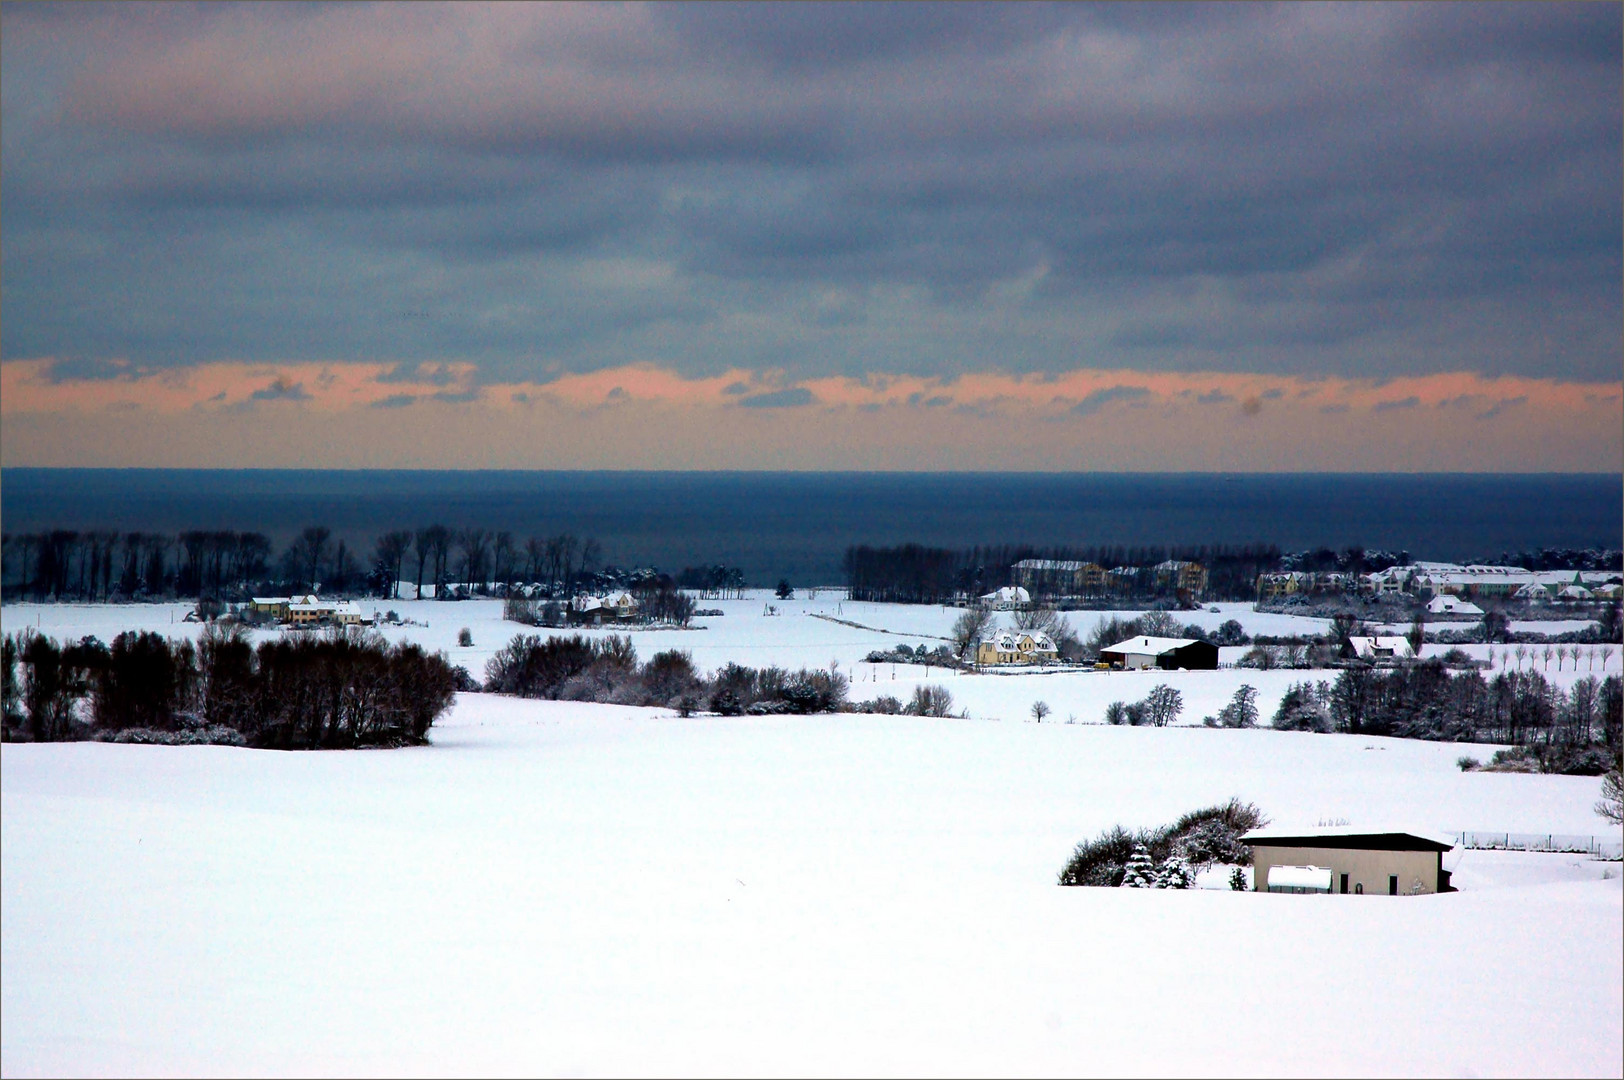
969, 628
535, 557
391, 554
472, 543
502, 551
1163, 705
423, 548
312, 551
1040, 709
1038, 620
1611, 805
1158, 624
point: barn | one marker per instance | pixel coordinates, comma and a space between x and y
1157, 652
1383, 863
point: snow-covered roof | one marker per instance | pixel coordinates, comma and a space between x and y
272, 600
1009, 594
1051, 564
1009, 640
1443, 603
1149, 646
1370, 646
1300, 877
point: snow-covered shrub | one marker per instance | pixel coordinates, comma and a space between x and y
1467, 764
1200, 838
1175, 873
465, 637
1140, 872
930, 699
213, 735
1241, 712
1116, 713
1237, 879
1303, 708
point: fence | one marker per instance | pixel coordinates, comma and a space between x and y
1605, 847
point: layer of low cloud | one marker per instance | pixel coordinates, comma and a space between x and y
484, 197
643, 416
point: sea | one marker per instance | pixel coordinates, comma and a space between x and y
798, 525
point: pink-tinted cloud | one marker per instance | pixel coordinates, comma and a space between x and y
641, 416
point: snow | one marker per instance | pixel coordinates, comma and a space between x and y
805, 635
1300, 877
564, 888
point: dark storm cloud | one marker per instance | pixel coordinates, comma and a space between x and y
1096, 401
1321, 189
281, 390
794, 397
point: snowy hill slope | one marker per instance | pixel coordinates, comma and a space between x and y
560, 888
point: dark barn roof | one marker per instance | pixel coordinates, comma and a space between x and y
1350, 841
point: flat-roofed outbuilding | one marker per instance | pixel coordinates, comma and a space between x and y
1383, 863
1156, 652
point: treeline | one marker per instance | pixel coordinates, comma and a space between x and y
1577, 730
607, 670
309, 692
658, 602
67, 564
914, 573
718, 582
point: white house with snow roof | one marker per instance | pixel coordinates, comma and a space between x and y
1382, 647
1447, 604
1159, 652
1010, 596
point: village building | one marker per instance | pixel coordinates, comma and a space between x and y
1182, 576
1275, 585
617, 607
276, 607
1445, 604
1349, 861
308, 611
1059, 577
1007, 598
1383, 647
1016, 647
1156, 652
350, 614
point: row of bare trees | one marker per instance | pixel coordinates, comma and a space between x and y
68, 564
480, 557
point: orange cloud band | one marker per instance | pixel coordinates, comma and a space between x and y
641, 416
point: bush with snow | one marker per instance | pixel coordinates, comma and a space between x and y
1201, 838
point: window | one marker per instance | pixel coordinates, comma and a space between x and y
1392, 884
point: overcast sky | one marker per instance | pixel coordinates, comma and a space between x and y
810, 236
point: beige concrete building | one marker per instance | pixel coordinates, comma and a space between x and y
1381, 863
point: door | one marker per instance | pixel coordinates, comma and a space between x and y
1344, 883
1392, 885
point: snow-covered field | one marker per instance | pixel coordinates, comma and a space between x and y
554, 888
803, 635
560, 888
